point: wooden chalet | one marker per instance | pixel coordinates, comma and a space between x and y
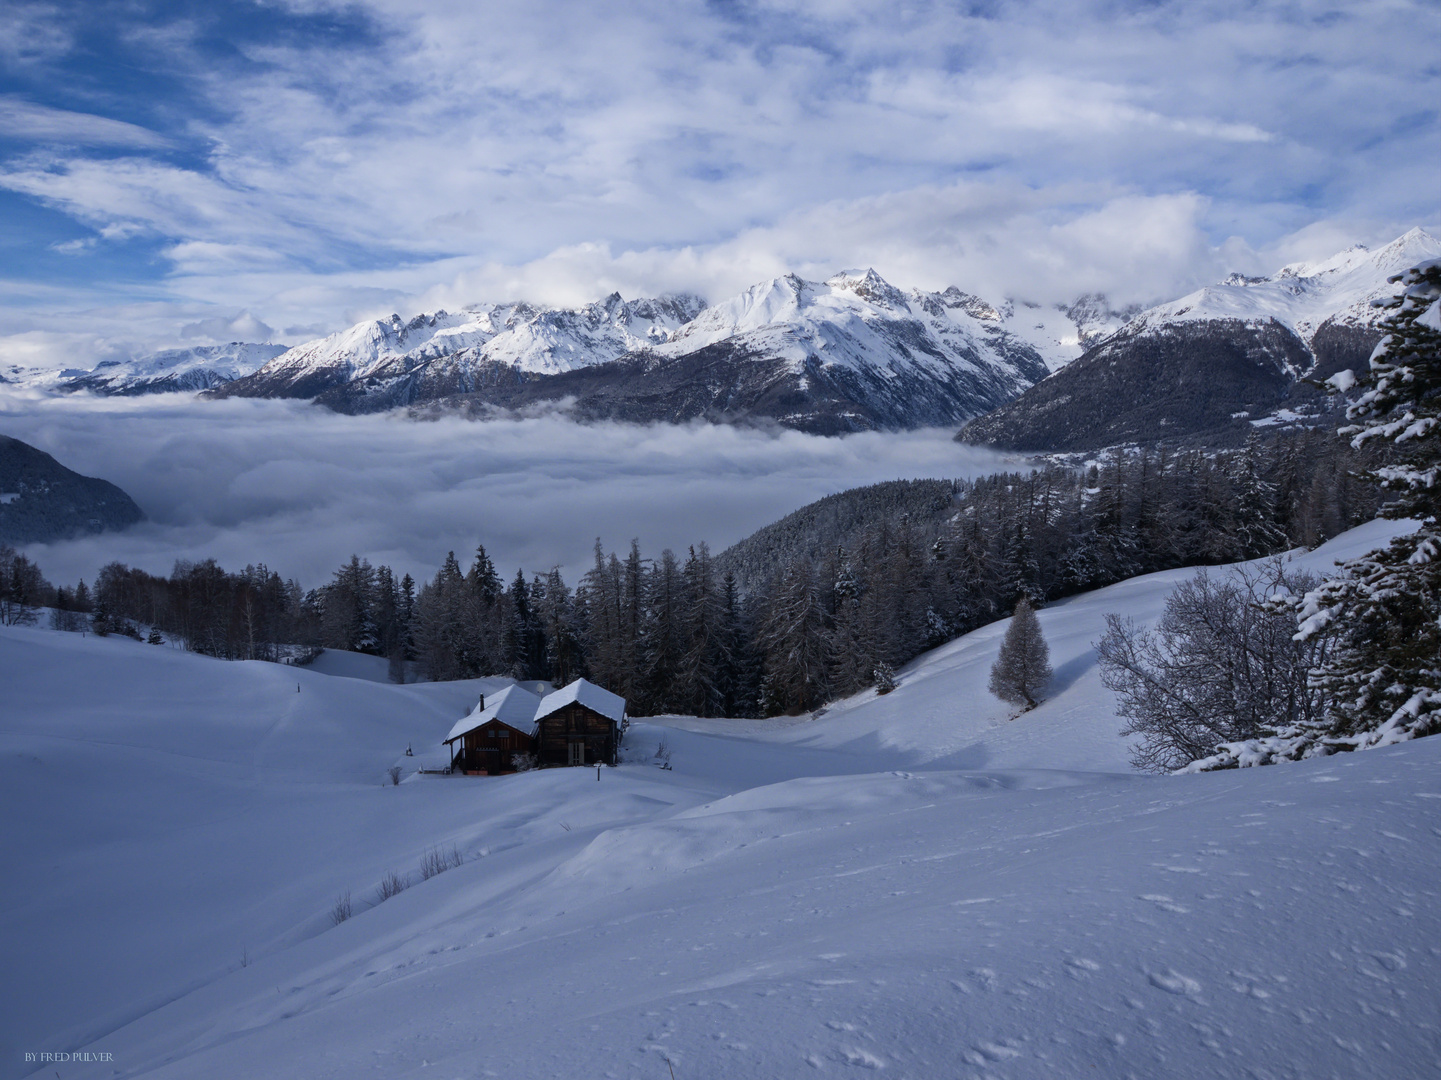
487, 740
579, 724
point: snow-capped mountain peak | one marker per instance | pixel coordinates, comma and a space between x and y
523, 336
1301, 296
870, 286
888, 356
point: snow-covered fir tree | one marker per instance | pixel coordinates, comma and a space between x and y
1385, 675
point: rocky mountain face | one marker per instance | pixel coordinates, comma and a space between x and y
850, 353
1213, 364
42, 501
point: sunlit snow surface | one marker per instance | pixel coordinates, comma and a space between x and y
914, 885
1303, 296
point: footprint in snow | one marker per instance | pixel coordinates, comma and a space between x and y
864, 1059
998, 1051
1173, 982
986, 976
1165, 903
1390, 961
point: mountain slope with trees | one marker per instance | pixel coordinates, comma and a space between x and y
829, 600
42, 501
1203, 368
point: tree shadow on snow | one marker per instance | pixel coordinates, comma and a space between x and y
1068, 673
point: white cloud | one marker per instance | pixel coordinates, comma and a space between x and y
21, 119
220, 329
301, 489
557, 151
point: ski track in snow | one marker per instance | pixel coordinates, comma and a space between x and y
909, 886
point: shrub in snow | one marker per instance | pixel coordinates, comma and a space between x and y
522, 762
1223, 665
437, 861
394, 773
391, 884
155, 637
1023, 665
885, 678
340, 910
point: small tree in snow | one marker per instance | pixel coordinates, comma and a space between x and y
885, 678
1023, 666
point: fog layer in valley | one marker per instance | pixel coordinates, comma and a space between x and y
300, 488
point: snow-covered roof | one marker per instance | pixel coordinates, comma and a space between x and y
611, 706
514, 705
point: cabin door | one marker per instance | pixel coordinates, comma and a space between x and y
577, 753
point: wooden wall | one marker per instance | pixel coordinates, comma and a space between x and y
478, 750
576, 723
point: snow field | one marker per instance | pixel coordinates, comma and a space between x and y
914, 885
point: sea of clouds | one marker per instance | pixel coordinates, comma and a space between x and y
301, 489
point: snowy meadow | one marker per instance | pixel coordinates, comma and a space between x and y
919, 884
301, 489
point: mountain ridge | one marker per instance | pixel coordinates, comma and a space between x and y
1214, 363
853, 352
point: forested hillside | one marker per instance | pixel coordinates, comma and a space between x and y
822, 603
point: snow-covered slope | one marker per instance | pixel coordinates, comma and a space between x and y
200, 367
1303, 296
858, 320
912, 884
1060, 333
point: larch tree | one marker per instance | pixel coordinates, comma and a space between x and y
1023, 666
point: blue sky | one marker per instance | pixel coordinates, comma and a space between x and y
175, 172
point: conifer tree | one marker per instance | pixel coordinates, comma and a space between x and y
662, 643
794, 643
558, 622
1385, 674
1023, 666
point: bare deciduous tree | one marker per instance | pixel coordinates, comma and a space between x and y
1222, 665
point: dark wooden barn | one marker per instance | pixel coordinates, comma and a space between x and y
580, 724
487, 741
